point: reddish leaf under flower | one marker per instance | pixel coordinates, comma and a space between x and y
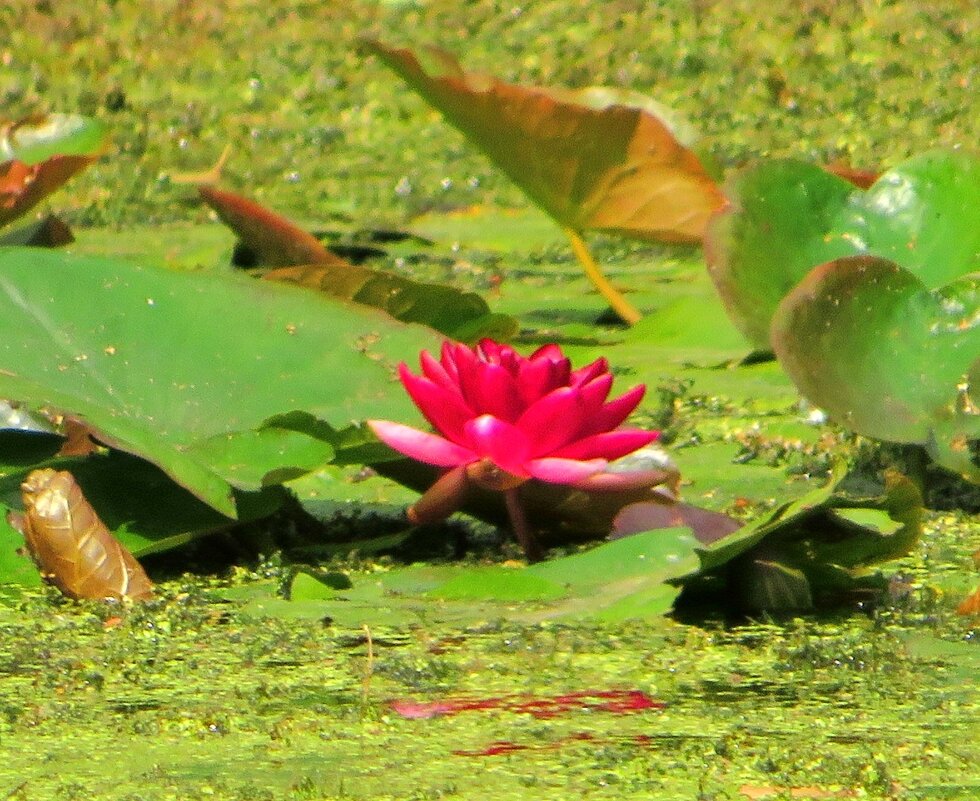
707, 526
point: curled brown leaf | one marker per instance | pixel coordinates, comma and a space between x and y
274, 239
72, 547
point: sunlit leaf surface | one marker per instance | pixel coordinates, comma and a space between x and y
595, 159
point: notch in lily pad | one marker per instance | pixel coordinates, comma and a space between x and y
786, 217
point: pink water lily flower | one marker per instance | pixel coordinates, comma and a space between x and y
503, 419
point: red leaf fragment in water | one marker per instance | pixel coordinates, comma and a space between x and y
617, 702
495, 748
422, 710
622, 703
863, 179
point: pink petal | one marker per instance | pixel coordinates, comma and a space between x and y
489, 351
437, 373
595, 393
468, 369
497, 393
622, 482
609, 445
537, 377
446, 410
448, 360
421, 446
585, 374
497, 440
552, 421
617, 410
564, 471
551, 351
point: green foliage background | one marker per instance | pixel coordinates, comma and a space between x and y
314, 125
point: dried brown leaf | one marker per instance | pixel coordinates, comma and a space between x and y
275, 241
70, 544
594, 159
971, 604
22, 187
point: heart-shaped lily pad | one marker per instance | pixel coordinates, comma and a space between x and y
165, 364
867, 340
787, 216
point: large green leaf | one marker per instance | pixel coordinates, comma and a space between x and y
158, 362
786, 217
868, 342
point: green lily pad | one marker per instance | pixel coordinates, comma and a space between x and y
268, 456
787, 216
142, 506
870, 343
615, 581
814, 551
498, 584
158, 362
